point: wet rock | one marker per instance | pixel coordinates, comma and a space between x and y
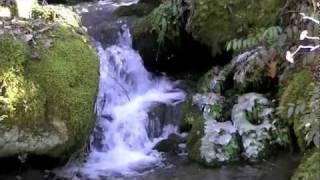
211, 105
171, 144
250, 69
252, 116
220, 143
211, 142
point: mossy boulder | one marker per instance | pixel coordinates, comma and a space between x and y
47, 93
309, 167
299, 107
252, 116
214, 22
211, 105
220, 143
213, 81
251, 70
210, 142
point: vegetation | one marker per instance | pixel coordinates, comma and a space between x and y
48, 84
166, 21
309, 167
295, 105
262, 37
215, 22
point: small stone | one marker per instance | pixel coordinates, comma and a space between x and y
28, 37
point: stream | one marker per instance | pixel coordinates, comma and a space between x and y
121, 146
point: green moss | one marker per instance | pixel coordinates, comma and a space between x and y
67, 73
194, 137
58, 14
204, 81
21, 100
309, 167
232, 151
216, 111
297, 94
216, 21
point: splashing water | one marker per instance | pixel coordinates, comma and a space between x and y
127, 92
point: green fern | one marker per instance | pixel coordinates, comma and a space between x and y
269, 35
167, 21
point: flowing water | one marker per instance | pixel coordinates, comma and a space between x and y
122, 142
121, 146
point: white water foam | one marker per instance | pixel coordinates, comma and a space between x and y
127, 92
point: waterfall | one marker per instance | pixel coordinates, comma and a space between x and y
121, 143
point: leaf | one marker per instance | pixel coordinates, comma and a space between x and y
290, 112
272, 71
229, 45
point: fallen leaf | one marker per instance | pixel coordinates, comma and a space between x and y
272, 72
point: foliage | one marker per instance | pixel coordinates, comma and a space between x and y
253, 116
166, 21
298, 107
215, 22
309, 167
216, 111
269, 35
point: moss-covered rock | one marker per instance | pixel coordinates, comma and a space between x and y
309, 167
214, 22
211, 105
251, 70
47, 93
212, 81
297, 104
220, 144
252, 116
210, 142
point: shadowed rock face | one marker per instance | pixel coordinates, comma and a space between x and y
102, 22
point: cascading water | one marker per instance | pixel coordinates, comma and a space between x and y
127, 92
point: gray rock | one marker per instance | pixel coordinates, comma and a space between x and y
219, 144
255, 138
210, 104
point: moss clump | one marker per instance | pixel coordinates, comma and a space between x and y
21, 100
58, 14
204, 82
216, 21
194, 137
67, 73
295, 104
309, 167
